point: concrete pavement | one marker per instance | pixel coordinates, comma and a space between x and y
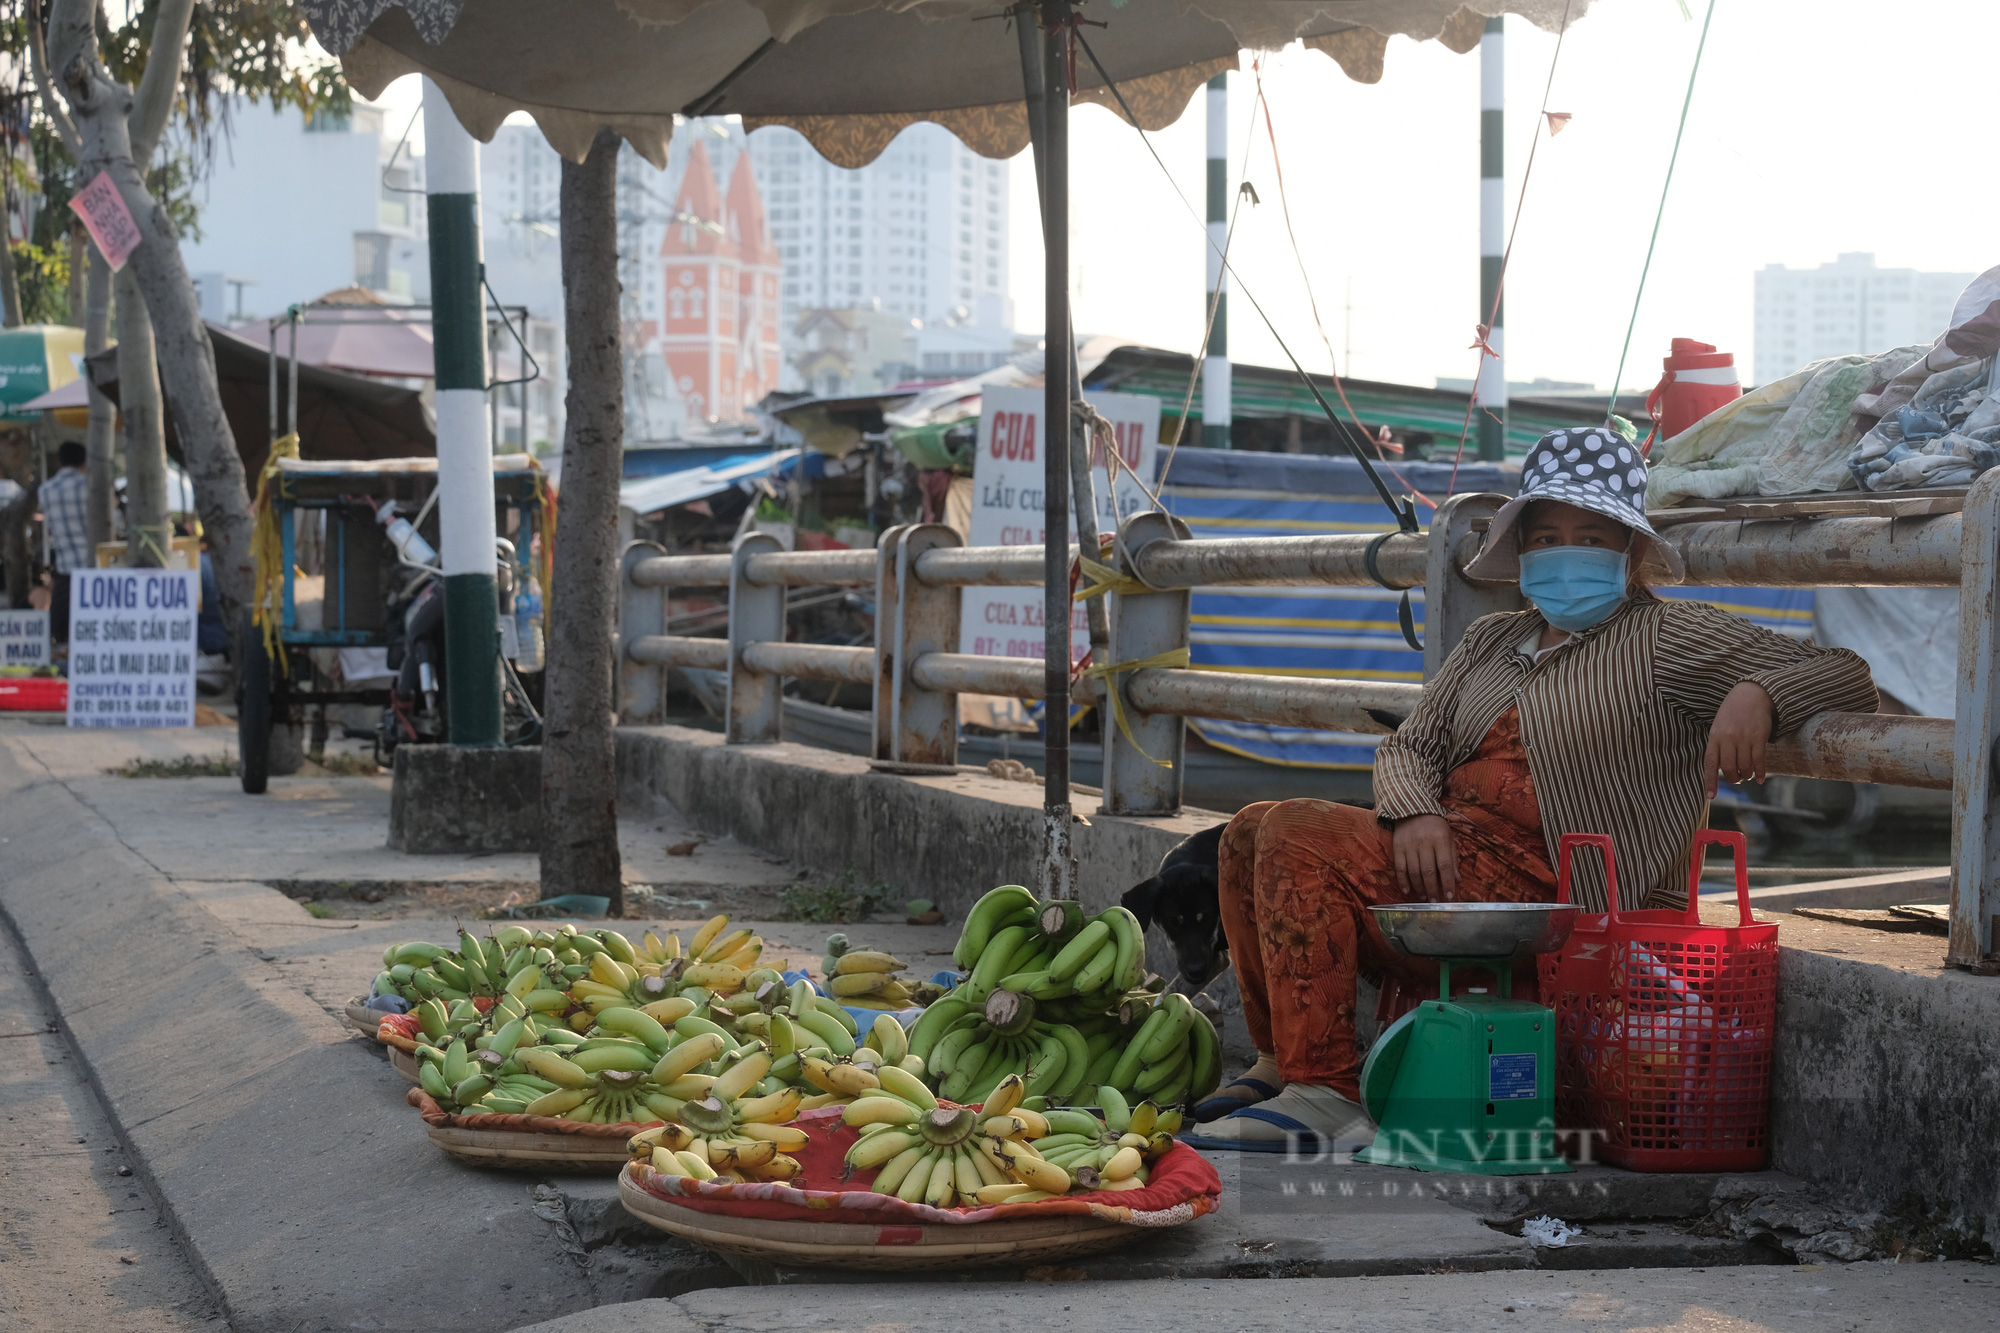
204, 1004
82, 1242
1936, 1298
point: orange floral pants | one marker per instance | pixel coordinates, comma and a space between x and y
1297, 878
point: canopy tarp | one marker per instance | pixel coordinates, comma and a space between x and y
362, 339
848, 74
340, 415
652, 495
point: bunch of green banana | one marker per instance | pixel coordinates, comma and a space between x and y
1173, 1057
483, 1076
1042, 985
1112, 1153
820, 1021
947, 1156
975, 1054
485, 968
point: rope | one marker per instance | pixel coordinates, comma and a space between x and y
545, 563
1177, 657
267, 551
1106, 579
1305, 278
1484, 331
1611, 408
1405, 513
1214, 307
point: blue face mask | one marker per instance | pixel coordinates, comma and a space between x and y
1574, 587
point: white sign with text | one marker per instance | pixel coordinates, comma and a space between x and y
132, 647
1007, 477
24, 638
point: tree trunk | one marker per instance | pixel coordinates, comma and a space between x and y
579, 772
10, 280
79, 265
148, 528
99, 108
96, 306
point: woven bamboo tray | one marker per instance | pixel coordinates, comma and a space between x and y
892, 1247
525, 1150
525, 1142
404, 1063
363, 1019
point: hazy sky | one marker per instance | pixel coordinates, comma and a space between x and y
1815, 129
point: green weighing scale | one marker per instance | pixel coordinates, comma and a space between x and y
1466, 1083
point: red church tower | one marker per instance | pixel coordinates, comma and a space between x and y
719, 326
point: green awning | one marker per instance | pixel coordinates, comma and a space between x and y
34, 359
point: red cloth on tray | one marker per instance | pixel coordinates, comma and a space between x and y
1181, 1186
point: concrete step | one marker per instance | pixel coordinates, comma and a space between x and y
1940, 1298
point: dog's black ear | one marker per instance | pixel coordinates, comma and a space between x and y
1138, 900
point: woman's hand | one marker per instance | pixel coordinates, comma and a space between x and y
1425, 860
1736, 741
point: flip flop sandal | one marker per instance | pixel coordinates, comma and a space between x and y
1219, 1106
1299, 1138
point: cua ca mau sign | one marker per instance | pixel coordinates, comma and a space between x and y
1007, 505
132, 647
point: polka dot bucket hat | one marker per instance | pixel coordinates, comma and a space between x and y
1590, 468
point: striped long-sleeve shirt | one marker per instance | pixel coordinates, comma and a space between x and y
1615, 720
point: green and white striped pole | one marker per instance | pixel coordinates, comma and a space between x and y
464, 447
1216, 386
1491, 389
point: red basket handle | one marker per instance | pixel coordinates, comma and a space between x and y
1703, 840
1601, 841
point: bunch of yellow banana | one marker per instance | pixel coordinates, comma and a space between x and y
949, 1156
726, 1134
863, 978
1112, 1153
613, 984
628, 1068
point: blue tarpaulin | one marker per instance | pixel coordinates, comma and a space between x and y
1345, 632
699, 480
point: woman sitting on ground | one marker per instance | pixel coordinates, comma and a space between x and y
1600, 709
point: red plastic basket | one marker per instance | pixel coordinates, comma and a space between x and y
1664, 1026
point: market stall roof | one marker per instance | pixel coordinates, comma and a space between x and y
1272, 393
363, 337
651, 495
34, 359
340, 415
847, 74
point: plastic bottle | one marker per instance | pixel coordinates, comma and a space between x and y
404, 537
528, 624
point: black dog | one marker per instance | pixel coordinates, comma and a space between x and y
1183, 899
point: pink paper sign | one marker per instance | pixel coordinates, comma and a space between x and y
109, 222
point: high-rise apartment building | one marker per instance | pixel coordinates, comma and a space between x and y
1805, 315
920, 232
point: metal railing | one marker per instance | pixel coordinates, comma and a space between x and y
917, 673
